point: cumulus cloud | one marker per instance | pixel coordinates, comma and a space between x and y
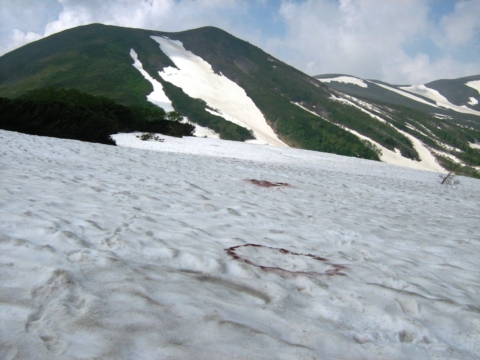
19, 38
461, 26
370, 38
168, 15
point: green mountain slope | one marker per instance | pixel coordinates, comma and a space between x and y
93, 58
96, 59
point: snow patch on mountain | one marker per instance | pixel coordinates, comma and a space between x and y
439, 99
442, 116
201, 131
198, 80
474, 84
346, 80
157, 96
119, 253
449, 156
388, 156
472, 101
351, 101
406, 94
428, 161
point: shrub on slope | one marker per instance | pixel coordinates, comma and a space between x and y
72, 114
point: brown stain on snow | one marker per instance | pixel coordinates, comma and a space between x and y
335, 270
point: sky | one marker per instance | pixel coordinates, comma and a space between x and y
397, 41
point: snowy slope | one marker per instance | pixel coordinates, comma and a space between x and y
119, 253
345, 80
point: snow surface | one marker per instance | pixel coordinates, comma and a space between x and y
439, 99
346, 80
475, 146
474, 84
198, 80
119, 253
157, 96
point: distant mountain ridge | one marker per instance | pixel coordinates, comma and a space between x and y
199, 70
457, 93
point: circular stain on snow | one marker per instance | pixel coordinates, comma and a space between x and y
283, 261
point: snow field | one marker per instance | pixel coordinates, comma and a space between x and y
196, 77
201, 131
346, 80
110, 252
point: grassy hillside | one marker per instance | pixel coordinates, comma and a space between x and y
93, 58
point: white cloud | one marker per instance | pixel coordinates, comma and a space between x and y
19, 38
461, 26
167, 15
367, 38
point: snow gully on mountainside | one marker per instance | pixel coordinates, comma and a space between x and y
157, 96
198, 80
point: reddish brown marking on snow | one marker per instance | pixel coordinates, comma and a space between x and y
336, 268
265, 183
